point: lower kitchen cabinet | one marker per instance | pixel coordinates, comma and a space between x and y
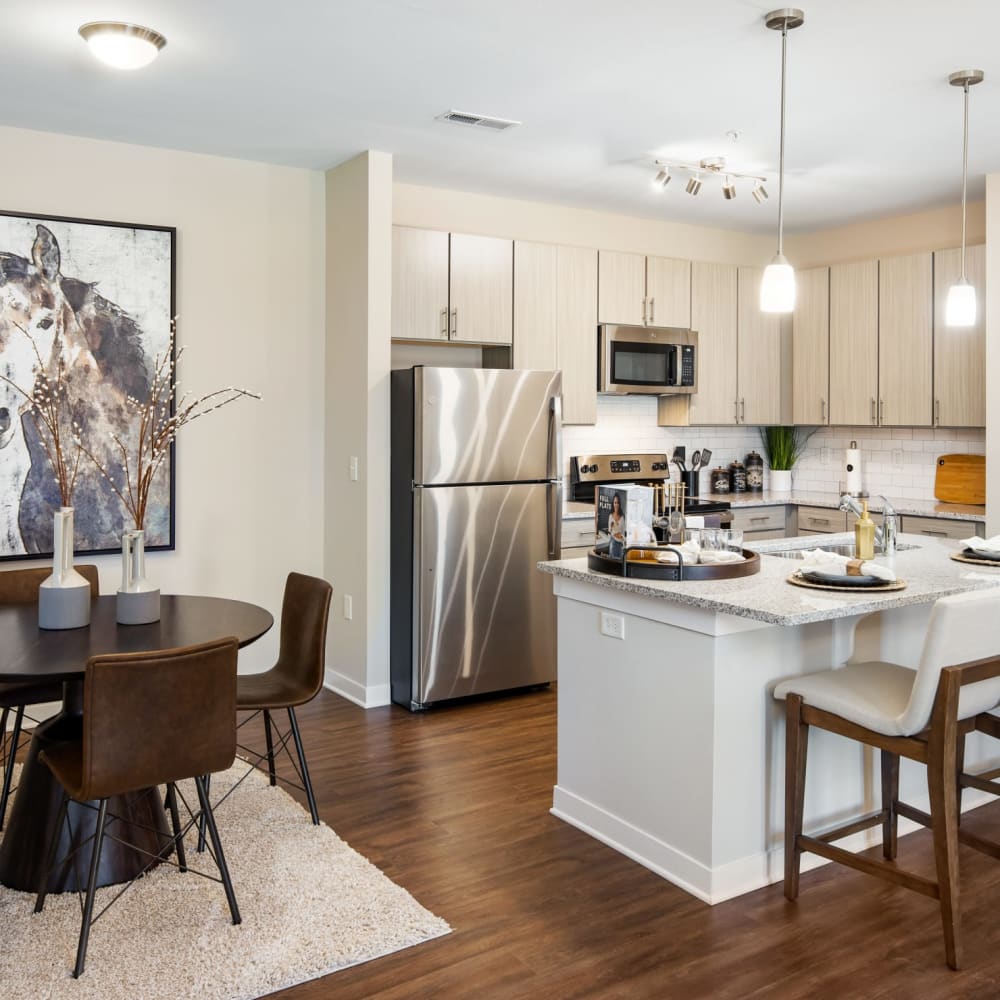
941, 527
821, 520
577, 537
758, 523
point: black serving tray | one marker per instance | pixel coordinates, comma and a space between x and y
646, 569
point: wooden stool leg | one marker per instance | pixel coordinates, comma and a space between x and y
796, 744
890, 796
959, 768
942, 786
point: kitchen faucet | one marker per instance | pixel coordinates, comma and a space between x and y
885, 536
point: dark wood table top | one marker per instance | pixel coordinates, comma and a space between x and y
28, 653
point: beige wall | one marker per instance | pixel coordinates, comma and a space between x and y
992, 355
250, 303
359, 296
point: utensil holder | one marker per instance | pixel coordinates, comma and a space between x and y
690, 481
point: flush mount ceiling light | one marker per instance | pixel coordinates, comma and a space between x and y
713, 166
777, 289
124, 46
960, 306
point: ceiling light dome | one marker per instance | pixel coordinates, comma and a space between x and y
124, 46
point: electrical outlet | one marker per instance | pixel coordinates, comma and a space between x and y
612, 625
348, 607
897, 457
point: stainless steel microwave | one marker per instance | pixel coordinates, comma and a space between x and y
647, 359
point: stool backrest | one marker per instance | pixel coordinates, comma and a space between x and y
20, 586
305, 610
150, 718
962, 628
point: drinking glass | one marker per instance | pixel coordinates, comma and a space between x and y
733, 539
711, 538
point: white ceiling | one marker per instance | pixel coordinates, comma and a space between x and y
601, 87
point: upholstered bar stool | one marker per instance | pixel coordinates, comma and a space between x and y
20, 586
923, 715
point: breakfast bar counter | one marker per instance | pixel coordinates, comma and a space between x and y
670, 745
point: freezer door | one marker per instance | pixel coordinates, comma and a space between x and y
486, 617
485, 425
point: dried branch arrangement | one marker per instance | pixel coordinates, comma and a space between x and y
49, 410
153, 427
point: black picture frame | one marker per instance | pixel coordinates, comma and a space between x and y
86, 246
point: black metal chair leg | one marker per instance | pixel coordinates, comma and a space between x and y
8, 771
201, 818
304, 767
220, 857
270, 746
88, 906
175, 822
50, 860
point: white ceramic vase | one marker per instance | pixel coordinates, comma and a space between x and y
138, 599
780, 481
63, 597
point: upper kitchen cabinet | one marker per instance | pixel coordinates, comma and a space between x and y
959, 352
451, 287
419, 284
555, 320
811, 347
758, 356
854, 318
644, 291
906, 345
621, 288
482, 289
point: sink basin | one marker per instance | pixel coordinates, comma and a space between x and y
847, 549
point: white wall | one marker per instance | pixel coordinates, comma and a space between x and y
992, 355
250, 298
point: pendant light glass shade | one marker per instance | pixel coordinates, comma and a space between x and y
960, 306
777, 287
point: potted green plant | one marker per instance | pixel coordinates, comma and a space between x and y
783, 447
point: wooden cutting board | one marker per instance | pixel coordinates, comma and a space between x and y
961, 479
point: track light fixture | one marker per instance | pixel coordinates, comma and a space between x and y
712, 166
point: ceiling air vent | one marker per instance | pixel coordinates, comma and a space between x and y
483, 121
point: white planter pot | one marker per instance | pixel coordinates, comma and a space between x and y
780, 481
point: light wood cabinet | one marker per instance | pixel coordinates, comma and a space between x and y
643, 291
941, 527
854, 333
905, 366
758, 356
481, 289
621, 295
713, 315
668, 292
811, 347
419, 284
555, 320
959, 352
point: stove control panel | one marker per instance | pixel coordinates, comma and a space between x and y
620, 468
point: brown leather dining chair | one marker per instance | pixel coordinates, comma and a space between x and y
296, 677
20, 586
149, 719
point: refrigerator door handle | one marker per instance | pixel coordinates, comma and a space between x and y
553, 519
555, 438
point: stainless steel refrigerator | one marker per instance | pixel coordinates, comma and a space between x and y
476, 481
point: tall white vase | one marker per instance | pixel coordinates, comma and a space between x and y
64, 597
138, 599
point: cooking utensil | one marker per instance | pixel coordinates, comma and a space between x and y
961, 479
706, 457
679, 456
696, 461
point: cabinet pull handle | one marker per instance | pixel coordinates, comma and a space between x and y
754, 520
652, 310
936, 534
822, 404
644, 320
874, 421
454, 322
937, 412
736, 410
881, 411
444, 324
743, 411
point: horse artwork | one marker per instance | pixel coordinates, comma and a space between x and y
99, 298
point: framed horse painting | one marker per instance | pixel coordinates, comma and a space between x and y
94, 300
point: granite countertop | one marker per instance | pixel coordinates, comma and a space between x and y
799, 498
768, 597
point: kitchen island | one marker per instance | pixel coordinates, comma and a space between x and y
670, 745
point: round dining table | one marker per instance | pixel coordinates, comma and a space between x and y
29, 653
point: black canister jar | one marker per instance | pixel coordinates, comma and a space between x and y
737, 477
720, 480
755, 472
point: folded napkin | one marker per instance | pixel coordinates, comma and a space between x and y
821, 561
689, 553
987, 546
709, 556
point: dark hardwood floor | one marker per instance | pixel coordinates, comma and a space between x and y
453, 805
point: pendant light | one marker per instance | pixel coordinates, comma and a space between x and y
960, 306
777, 288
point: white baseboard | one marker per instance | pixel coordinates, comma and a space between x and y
372, 696
711, 885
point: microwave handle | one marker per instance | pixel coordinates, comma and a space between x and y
673, 378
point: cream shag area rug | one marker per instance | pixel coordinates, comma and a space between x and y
310, 905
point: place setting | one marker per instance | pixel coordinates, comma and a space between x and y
822, 570
979, 551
